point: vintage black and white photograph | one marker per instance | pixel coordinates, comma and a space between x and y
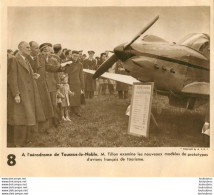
108, 76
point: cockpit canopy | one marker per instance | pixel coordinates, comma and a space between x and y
197, 41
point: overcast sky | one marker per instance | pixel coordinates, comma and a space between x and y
101, 28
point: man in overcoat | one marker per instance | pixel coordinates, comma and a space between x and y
32, 58
52, 80
90, 83
43, 66
81, 56
24, 105
76, 82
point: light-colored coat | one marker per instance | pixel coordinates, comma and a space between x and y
65, 90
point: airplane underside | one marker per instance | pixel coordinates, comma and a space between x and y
183, 101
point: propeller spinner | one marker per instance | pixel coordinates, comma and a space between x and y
120, 50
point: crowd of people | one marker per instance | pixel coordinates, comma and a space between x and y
42, 93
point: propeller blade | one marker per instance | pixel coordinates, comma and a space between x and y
142, 31
105, 66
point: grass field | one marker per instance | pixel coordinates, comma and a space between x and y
104, 124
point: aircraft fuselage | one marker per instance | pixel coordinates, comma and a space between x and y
170, 67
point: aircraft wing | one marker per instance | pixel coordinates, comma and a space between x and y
197, 88
192, 89
116, 77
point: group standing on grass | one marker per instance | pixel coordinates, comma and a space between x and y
41, 92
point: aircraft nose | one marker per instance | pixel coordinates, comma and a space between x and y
122, 54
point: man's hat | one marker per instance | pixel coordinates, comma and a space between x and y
75, 52
43, 46
80, 50
57, 47
84, 55
67, 52
91, 52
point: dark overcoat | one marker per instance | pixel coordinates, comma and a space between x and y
43, 88
76, 81
59, 61
20, 81
33, 63
52, 77
90, 83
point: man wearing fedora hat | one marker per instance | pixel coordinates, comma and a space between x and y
90, 83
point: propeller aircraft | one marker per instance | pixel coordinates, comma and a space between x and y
179, 70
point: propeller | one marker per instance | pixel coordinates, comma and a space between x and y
105, 66
141, 32
109, 63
